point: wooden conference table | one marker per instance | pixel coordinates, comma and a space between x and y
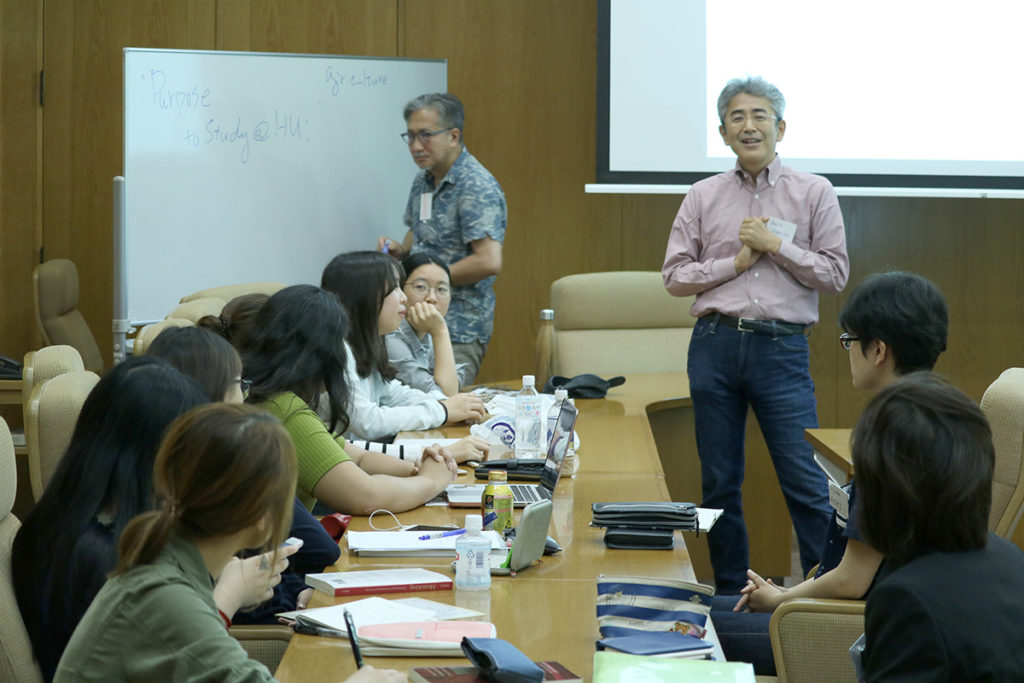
547, 611
833, 445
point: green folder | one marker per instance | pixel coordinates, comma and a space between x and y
613, 667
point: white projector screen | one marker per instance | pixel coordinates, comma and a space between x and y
911, 94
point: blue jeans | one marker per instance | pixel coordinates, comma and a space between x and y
730, 370
743, 635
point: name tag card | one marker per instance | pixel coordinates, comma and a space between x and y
427, 201
784, 230
840, 500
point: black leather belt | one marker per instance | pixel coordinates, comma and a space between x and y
773, 328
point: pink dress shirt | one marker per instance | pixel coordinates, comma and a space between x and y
705, 240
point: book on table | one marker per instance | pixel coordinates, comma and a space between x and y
421, 638
409, 544
553, 671
368, 582
613, 667
659, 644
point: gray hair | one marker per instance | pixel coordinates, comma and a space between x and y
752, 85
450, 113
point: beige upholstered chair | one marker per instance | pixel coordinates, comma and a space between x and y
229, 292
47, 363
150, 332
16, 660
618, 322
50, 420
1003, 405
195, 309
265, 644
811, 639
55, 290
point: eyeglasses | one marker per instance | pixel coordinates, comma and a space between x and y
245, 385
421, 288
424, 138
847, 339
758, 117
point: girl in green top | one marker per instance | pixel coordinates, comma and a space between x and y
224, 478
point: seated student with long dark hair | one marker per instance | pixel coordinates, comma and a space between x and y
420, 350
366, 282
224, 479
68, 543
949, 602
893, 324
210, 359
295, 361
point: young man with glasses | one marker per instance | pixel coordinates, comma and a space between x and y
456, 211
756, 244
893, 324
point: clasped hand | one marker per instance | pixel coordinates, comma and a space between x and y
759, 595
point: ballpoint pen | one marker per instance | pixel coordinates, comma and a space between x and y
353, 640
491, 516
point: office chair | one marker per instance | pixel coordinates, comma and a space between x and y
265, 644
47, 363
1003, 405
617, 323
55, 293
150, 332
50, 419
194, 309
229, 292
17, 662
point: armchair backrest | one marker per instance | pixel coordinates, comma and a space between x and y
811, 639
55, 290
1003, 405
16, 660
50, 419
618, 322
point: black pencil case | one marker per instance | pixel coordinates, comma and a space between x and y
646, 515
518, 470
628, 538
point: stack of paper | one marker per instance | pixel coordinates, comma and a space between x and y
408, 543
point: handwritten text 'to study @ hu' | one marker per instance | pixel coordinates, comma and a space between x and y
284, 126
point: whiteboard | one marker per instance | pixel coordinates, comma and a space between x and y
248, 167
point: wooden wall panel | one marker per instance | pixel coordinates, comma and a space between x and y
20, 216
82, 129
526, 72
347, 27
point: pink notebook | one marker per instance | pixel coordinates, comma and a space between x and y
427, 635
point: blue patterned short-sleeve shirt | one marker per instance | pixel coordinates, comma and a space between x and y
468, 205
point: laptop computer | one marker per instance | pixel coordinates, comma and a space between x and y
468, 495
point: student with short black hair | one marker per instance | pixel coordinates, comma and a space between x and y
893, 323
420, 350
224, 479
950, 599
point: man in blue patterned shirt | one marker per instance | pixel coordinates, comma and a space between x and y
457, 212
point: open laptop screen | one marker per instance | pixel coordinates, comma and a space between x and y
558, 446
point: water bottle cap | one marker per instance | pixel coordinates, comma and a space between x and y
528, 380
474, 522
561, 395
497, 475
547, 314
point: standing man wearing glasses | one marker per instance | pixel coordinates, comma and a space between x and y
456, 211
756, 244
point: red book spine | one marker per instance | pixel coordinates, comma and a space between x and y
398, 588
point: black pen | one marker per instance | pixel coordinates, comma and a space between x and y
353, 640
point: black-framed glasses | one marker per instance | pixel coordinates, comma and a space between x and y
422, 288
245, 385
847, 339
424, 138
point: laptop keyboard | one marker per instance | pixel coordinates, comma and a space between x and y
526, 492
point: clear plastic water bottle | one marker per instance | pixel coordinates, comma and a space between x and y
528, 427
473, 557
571, 462
560, 395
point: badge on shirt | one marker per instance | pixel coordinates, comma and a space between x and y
784, 230
840, 500
427, 202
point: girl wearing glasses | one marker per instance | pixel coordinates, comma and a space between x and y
367, 283
420, 349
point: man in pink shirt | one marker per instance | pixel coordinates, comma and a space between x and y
756, 244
